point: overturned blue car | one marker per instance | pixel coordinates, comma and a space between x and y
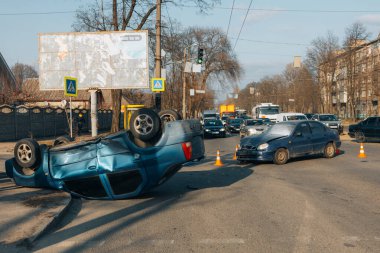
109, 167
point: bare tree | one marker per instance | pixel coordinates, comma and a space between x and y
356, 35
22, 72
104, 15
321, 61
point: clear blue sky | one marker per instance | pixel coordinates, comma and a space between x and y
273, 33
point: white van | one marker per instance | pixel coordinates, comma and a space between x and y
290, 116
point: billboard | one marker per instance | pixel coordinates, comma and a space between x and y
104, 60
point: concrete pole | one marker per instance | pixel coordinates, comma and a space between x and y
94, 115
157, 70
184, 86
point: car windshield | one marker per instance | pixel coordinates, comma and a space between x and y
269, 110
209, 116
224, 117
327, 118
254, 122
281, 129
297, 117
235, 121
213, 123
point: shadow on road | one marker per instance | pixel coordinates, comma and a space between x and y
150, 204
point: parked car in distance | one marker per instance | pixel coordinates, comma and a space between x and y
253, 127
233, 125
286, 116
329, 120
214, 128
109, 167
366, 130
290, 139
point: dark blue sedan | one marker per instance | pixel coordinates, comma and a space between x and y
290, 139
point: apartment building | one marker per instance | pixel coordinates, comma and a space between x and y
350, 81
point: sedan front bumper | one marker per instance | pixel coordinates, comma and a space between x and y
254, 155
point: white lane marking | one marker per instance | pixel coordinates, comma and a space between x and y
159, 242
222, 241
351, 239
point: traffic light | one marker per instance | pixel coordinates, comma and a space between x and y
200, 56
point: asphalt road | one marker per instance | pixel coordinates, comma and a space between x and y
307, 205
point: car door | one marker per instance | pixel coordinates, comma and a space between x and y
370, 129
318, 136
377, 130
301, 140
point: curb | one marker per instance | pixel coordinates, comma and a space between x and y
55, 220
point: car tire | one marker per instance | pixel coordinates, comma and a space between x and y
61, 140
27, 153
359, 136
169, 115
329, 150
281, 156
145, 124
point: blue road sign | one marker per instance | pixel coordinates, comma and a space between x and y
158, 84
71, 87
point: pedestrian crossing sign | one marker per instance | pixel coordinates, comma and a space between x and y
158, 84
71, 87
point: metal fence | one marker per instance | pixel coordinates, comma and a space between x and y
23, 122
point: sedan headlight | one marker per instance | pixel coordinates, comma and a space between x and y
207, 130
263, 146
222, 129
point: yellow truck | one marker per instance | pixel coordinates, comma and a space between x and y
227, 110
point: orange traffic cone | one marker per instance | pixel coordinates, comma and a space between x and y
361, 153
236, 149
218, 162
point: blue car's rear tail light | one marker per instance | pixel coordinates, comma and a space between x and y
187, 150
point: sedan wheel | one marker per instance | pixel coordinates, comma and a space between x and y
281, 156
359, 136
145, 124
330, 150
27, 153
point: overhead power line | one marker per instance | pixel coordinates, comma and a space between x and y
242, 25
229, 21
273, 42
36, 13
288, 10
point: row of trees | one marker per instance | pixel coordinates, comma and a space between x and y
312, 87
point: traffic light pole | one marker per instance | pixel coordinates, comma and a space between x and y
157, 70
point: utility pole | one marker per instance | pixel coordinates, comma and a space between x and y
184, 86
157, 70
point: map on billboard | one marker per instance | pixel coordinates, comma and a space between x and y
104, 60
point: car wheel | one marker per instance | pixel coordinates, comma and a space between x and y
61, 140
281, 156
145, 124
169, 115
27, 153
359, 136
329, 151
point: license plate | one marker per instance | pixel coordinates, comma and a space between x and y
333, 127
215, 132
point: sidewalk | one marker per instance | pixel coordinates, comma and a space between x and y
26, 213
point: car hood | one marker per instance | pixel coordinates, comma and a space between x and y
260, 139
212, 128
332, 122
257, 127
